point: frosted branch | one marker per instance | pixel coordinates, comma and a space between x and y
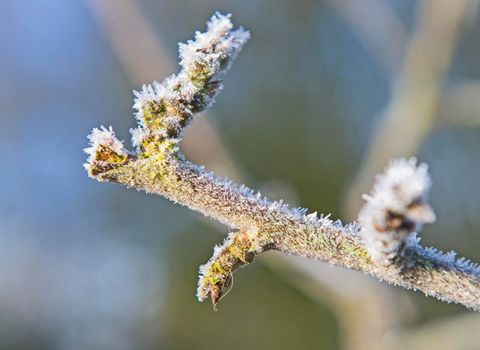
163, 111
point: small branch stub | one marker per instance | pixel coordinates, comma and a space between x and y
105, 153
238, 249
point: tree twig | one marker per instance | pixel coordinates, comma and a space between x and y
203, 143
164, 110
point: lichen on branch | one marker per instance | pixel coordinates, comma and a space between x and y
385, 241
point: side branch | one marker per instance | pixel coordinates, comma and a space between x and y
292, 232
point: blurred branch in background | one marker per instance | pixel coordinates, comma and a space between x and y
411, 113
378, 28
123, 24
456, 332
460, 105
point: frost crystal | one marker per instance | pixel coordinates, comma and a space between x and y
396, 208
143, 96
138, 134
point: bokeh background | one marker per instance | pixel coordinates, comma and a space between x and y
322, 96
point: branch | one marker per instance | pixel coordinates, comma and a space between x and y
158, 166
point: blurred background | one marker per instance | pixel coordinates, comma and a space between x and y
318, 101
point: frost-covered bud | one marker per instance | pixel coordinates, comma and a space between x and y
105, 152
396, 208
